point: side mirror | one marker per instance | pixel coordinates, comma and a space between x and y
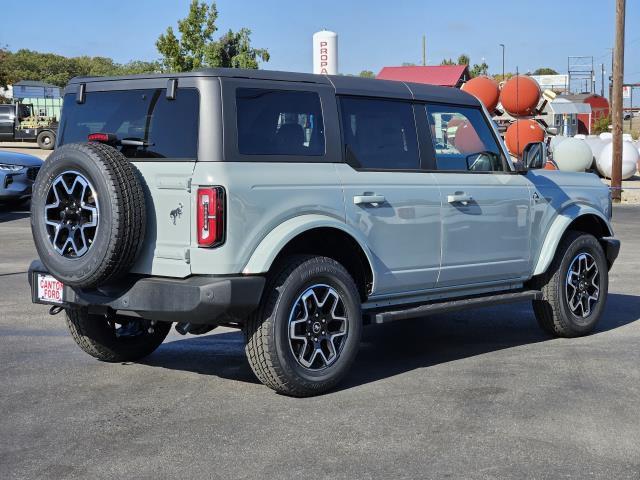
534, 155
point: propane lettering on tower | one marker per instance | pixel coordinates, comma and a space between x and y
325, 52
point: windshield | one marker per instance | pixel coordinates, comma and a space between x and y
165, 128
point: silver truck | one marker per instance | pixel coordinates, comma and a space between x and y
299, 208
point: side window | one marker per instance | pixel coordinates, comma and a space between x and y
279, 122
379, 134
462, 139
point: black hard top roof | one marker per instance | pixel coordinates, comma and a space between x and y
344, 85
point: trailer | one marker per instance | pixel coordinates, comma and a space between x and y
20, 123
33, 114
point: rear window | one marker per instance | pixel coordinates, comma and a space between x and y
279, 122
169, 128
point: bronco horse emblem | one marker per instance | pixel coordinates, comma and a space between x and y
176, 213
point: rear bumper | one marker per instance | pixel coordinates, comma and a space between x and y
611, 249
198, 299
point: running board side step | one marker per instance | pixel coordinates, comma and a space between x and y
454, 305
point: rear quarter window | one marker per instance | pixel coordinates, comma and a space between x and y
169, 128
279, 122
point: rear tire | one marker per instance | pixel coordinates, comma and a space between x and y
306, 332
46, 140
101, 338
567, 310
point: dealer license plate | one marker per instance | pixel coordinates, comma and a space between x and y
49, 290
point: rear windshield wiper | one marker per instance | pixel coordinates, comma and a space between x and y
138, 142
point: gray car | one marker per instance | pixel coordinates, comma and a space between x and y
17, 174
300, 208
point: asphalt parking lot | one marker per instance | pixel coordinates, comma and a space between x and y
481, 394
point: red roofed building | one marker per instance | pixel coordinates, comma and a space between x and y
444, 75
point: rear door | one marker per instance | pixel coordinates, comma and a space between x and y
167, 133
389, 197
485, 206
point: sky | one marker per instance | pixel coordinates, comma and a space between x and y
371, 33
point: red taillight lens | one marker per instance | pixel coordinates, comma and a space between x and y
210, 209
102, 137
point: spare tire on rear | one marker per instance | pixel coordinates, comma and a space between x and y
88, 214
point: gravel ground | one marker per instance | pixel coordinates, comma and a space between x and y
482, 394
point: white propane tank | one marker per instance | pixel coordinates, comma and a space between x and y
596, 145
626, 137
606, 136
572, 155
630, 157
325, 52
581, 136
555, 141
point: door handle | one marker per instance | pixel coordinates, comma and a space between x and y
459, 197
368, 199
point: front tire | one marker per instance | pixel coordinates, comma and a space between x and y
116, 338
306, 332
574, 289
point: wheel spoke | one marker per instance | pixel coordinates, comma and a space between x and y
582, 285
72, 208
317, 327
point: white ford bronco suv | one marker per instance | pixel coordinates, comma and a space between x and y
299, 208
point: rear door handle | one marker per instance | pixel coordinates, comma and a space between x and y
368, 199
459, 197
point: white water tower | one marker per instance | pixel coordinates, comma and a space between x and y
325, 52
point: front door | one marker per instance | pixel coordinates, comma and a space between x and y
485, 206
393, 203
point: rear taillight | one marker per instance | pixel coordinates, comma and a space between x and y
210, 213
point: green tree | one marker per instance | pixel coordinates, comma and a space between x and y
601, 125
4, 74
136, 67
464, 59
196, 34
367, 74
479, 69
195, 47
499, 78
234, 50
545, 71
58, 70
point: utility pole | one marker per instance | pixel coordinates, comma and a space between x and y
424, 50
502, 45
616, 102
602, 80
611, 78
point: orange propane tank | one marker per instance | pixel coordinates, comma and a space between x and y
467, 139
520, 133
520, 96
484, 89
